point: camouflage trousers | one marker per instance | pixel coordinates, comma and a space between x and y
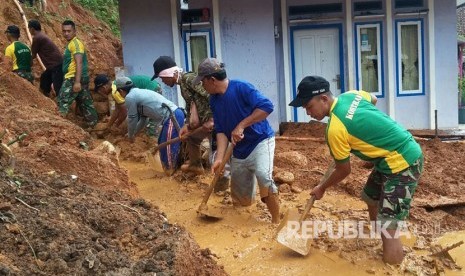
83, 100
153, 128
392, 193
25, 75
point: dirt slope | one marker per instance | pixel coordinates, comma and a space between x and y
68, 208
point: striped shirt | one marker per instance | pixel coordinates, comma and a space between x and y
74, 47
21, 56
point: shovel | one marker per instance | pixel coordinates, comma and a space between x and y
203, 209
288, 235
174, 140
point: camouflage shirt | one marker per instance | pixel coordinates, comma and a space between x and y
198, 95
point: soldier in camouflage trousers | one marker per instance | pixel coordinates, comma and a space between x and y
83, 100
357, 127
76, 77
198, 110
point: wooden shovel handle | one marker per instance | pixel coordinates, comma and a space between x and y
218, 173
177, 139
312, 199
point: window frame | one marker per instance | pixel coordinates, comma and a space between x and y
421, 57
207, 33
379, 26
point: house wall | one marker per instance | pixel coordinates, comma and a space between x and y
446, 63
251, 52
248, 46
145, 33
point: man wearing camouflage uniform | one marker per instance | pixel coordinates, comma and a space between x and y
356, 126
197, 107
76, 83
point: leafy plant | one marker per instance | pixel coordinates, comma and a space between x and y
105, 10
461, 87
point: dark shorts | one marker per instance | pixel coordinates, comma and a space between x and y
392, 193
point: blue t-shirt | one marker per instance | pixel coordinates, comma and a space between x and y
238, 102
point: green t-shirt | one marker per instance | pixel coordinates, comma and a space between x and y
21, 56
144, 82
356, 126
74, 47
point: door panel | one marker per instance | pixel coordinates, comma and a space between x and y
316, 53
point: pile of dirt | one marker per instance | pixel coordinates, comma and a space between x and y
104, 50
442, 177
66, 206
57, 226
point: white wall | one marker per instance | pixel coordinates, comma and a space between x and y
248, 46
446, 63
145, 33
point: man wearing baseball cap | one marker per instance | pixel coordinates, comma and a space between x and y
143, 104
198, 110
240, 112
19, 54
356, 126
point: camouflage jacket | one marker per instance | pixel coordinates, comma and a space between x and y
198, 95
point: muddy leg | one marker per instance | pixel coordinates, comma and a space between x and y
392, 248
272, 202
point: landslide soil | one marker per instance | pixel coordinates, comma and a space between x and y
66, 206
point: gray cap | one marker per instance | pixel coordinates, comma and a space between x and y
208, 67
123, 82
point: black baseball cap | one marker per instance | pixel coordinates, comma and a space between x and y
162, 63
309, 87
13, 29
100, 80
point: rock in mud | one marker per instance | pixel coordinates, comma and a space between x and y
296, 189
293, 158
284, 177
284, 188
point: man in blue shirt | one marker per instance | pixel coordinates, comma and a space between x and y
239, 114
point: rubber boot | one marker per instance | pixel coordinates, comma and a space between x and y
272, 202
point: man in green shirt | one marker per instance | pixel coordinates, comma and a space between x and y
76, 84
104, 86
356, 126
19, 54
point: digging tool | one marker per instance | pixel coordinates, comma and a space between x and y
288, 234
203, 209
172, 117
174, 140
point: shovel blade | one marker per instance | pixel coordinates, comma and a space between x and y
289, 234
204, 213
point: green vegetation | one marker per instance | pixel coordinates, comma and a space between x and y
462, 92
104, 10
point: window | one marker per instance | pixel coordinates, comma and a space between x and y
399, 4
369, 58
409, 50
314, 11
197, 47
